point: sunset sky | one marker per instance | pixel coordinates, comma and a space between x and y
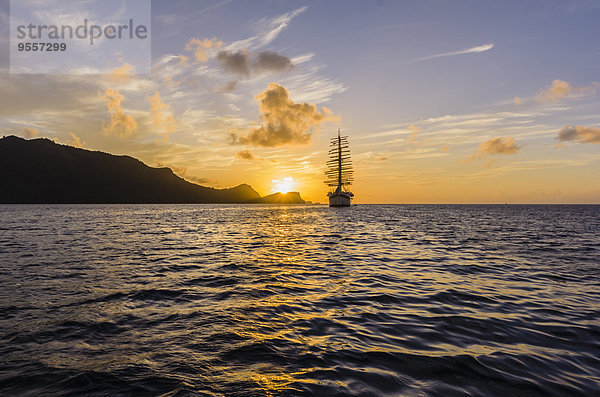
443, 101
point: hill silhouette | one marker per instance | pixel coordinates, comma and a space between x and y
41, 171
281, 198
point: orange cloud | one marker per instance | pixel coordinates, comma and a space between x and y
414, 130
202, 48
161, 114
75, 141
120, 124
579, 134
122, 74
495, 146
561, 89
30, 132
283, 121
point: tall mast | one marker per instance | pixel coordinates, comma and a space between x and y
339, 161
339, 166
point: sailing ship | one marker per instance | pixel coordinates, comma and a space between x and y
339, 172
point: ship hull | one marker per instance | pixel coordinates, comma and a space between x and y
340, 199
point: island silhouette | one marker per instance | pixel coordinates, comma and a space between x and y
40, 171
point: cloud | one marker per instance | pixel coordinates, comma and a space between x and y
75, 141
277, 24
284, 122
197, 179
414, 130
579, 134
269, 29
308, 85
562, 89
230, 86
244, 63
495, 146
518, 101
244, 155
472, 50
122, 74
559, 89
180, 171
167, 19
202, 48
120, 124
161, 114
270, 61
235, 62
29, 132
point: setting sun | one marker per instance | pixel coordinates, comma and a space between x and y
285, 185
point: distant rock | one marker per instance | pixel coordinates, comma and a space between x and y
41, 171
281, 198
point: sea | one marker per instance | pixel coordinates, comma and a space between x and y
267, 300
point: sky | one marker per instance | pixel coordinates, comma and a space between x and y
442, 101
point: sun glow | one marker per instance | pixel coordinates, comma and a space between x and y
285, 185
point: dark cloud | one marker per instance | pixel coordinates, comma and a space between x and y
235, 62
580, 134
270, 61
245, 155
284, 122
244, 63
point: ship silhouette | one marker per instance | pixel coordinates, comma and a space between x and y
339, 172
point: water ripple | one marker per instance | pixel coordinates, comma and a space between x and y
299, 300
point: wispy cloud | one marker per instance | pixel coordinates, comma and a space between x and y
472, 50
268, 30
75, 141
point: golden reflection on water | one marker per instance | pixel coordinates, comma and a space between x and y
283, 253
289, 283
272, 383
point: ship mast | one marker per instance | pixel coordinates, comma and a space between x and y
339, 160
339, 167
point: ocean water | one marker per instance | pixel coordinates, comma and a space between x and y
234, 300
